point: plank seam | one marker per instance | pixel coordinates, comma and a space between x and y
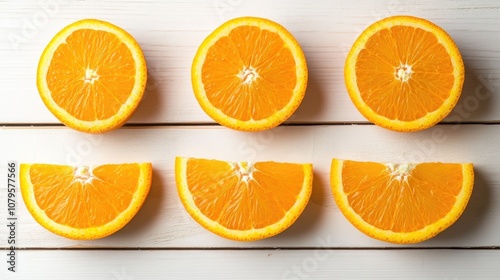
485, 248
180, 124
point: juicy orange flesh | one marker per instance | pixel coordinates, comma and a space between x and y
389, 50
390, 204
221, 196
91, 75
254, 50
81, 204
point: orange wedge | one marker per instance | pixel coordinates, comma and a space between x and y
84, 202
240, 200
401, 203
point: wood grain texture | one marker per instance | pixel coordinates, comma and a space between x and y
162, 241
163, 222
258, 264
171, 31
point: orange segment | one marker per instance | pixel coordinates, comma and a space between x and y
84, 202
92, 76
401, 203
240, 200
249, 74
404, 73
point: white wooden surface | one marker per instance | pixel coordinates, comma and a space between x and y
162, 241
259, 264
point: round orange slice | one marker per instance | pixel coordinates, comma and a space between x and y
401, 203
250, 74
92, 76
84, 202
404, 73
240, 200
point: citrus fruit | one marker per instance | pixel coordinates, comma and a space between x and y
401, 203
404, 73
250, 74
241, 200
84, 202
92, 76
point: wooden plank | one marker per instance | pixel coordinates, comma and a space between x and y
171, 31
256, 264
163, 222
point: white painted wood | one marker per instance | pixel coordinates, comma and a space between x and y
171, 31
257, 264
163, 222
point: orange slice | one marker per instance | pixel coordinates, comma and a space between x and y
240, 200
84, 202
250, 74
401, 203
92, 76
404, 73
